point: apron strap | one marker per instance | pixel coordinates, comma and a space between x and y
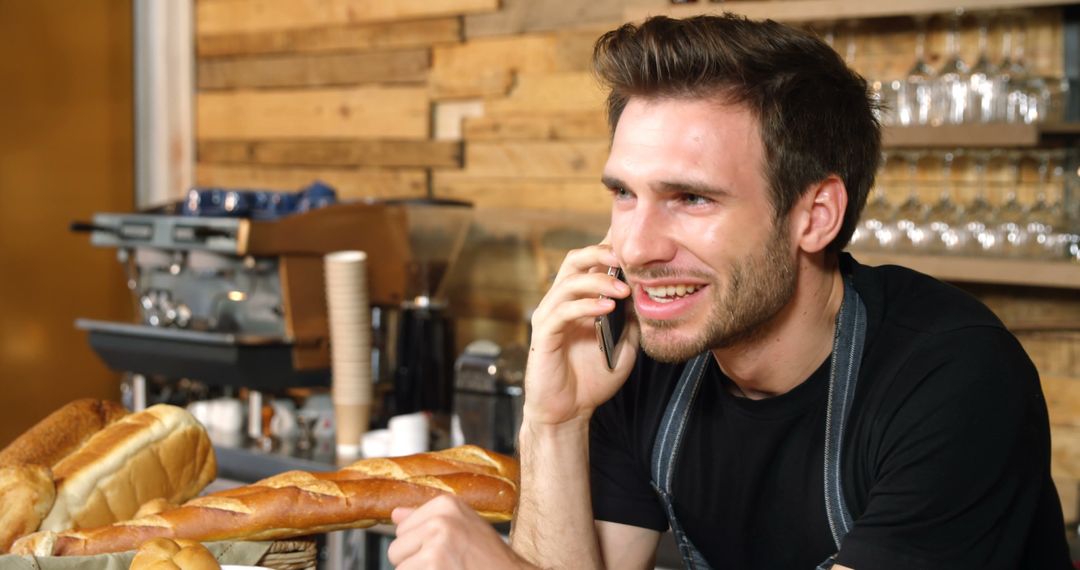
666, 450
846, 357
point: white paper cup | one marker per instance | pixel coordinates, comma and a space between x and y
408, 434
350, 346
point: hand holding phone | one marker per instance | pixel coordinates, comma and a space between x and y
610, 327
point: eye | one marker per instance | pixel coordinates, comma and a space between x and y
694, 199
620, 193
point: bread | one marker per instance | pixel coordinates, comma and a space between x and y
153, 507
298, 503
61, 433
160, 452
26, 493
167, 554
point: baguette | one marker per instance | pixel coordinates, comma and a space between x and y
26, 493
160, 452
299, 503
61, 433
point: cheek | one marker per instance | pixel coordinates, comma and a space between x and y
621, 224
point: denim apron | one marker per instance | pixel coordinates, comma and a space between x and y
843, 373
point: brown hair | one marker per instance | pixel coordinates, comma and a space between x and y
815, 113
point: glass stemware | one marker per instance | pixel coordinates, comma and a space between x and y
950, 87
1044, 220
1013, 71
982, 89
875, 228
979, 211
943, 218
911, 213
914, 98
1010, 214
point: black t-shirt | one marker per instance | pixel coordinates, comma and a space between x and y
946, 455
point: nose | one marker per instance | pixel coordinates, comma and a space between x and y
641, 237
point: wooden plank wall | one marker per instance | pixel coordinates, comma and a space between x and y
493, 102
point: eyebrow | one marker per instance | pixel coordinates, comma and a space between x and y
672, 187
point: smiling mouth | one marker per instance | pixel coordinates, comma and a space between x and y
670, 293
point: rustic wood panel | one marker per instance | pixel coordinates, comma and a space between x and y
358, 37
554, 126
536, 159
1029, 308
334, 152
363, 112
449, 117
551, 92
523, 16
526, 194
1065, 451
1069, 492
350, 183
1054, 353
319, 70
237, 16
486, 67
1062, 399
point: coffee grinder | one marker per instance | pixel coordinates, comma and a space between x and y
423, 352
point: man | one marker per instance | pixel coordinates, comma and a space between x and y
790, 408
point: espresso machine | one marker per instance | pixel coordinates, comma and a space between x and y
236, 296
229, 291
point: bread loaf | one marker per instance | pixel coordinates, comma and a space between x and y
299, 503
160, 452
61, 433
166, 554
26, 495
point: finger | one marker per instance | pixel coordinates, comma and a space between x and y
585, 259
581, 286
405, 546
399, 514
424, 513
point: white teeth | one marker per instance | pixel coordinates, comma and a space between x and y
667, 293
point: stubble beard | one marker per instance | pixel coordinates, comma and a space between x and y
758, 287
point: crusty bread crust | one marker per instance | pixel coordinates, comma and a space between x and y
299, 503
162, 553
26, 495
160, 452
61, 433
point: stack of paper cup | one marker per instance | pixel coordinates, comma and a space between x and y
350, 346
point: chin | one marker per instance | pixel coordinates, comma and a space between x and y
665, 345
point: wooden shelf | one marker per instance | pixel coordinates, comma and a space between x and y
978, 136
1003, 271
820, 10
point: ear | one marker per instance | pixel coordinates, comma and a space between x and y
822, 210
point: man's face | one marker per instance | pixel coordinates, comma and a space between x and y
693, 225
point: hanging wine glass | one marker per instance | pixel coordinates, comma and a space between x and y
942, 220
1043, 217
875, 228
1013, 71
950, 86
911, 213
1010, 215
982, 87
915, 96
979, 211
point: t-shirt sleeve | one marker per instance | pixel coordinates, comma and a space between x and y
960, 461
620, 486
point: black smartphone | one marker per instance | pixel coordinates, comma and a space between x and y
609, 327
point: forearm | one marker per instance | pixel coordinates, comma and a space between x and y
553, 527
